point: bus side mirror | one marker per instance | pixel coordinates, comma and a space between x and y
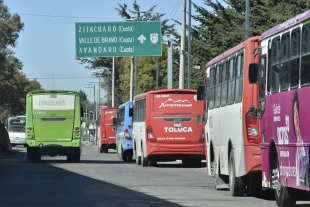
253, 73
200, 92
82, 111
130, 112
114, 121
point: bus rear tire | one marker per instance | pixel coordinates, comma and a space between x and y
105, 148
144, 160
153, 161
285, 196
33, 154
124, 155
100, 149
255, 185
138, 160
236, 184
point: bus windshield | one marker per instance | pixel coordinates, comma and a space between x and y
16, 124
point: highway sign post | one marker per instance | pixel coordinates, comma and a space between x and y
118, 39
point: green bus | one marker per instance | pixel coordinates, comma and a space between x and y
53, 124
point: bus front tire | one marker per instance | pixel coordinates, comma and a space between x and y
236, 184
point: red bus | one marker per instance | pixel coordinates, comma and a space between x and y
232, 131
167, 126
106, 140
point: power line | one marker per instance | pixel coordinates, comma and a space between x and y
45, 15
178, 3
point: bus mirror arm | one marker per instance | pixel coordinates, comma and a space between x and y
252, 110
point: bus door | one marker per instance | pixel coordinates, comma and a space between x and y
177, 118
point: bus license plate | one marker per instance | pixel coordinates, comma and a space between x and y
178, 125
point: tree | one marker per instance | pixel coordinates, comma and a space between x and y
221, 27
13, 82
122, 84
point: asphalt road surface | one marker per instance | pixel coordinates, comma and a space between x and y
104, 180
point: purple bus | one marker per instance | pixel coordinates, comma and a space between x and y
283, 77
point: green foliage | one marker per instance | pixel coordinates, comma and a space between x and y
221, 26
13, 83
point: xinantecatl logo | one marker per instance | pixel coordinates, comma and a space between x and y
178, 103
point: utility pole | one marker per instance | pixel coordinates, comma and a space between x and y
113, 82
182, 52
247, 19
189, 59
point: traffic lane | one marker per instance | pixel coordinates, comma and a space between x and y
43, 184
169, 181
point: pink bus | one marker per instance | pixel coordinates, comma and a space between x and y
283, 77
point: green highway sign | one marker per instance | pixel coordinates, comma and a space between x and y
118, 39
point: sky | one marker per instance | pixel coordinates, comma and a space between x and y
46, 46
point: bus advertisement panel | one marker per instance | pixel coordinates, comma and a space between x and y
168, 125
16, 129
232, 141
123, 129
106, 140
282, 74
53, 125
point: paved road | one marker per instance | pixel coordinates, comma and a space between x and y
104, 180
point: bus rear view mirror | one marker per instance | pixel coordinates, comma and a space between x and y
82, 111
253, 73
130, 112
200, 92
114, 121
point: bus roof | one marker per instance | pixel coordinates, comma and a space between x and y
124, 104
287, 24
230, 51
162, 91
53, 91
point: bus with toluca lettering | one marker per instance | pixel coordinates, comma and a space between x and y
16, 129
282, 75
123, 129
232, 138
168, 126
53, 124
106, 138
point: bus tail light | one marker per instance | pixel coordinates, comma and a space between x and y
150, 134
202, 137
30, 132
76, 132
102, 134
127, 135
252, 129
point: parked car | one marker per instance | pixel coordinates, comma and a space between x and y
5, 143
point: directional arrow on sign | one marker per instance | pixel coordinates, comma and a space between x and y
141, 38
